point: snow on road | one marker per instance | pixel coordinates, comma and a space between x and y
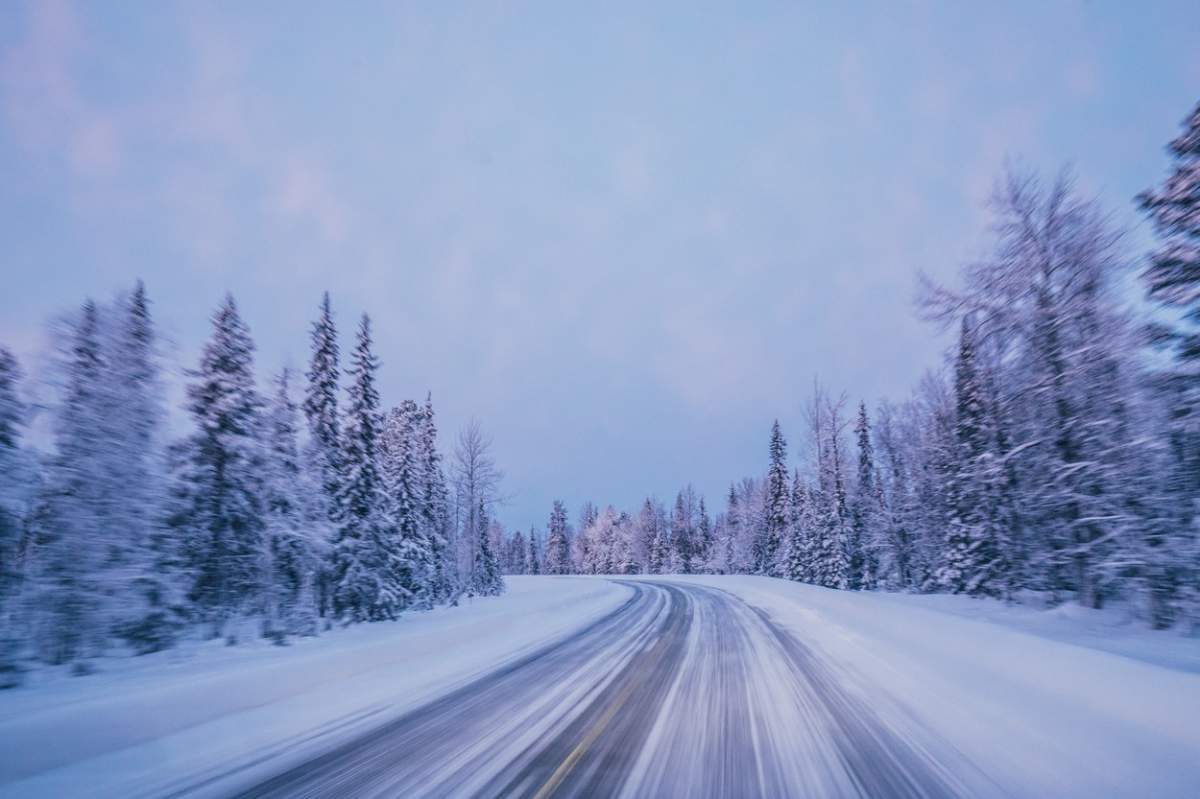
151, 725
1026, 703
1040, 702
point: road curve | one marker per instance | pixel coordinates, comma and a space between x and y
683, 691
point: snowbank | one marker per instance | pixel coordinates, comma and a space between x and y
146, 726
1031, 697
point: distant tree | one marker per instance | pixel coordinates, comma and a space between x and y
558, 553
533, 561
776, 502
486, 579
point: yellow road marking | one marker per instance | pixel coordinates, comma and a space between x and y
568, 764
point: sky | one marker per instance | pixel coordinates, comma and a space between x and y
625, 239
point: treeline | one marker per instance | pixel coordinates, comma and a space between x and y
1057, 456
274, 516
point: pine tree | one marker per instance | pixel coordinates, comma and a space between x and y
704, 539
435, 516
864, 510
292, 554
775, 521
1172, 280
68, 601
224, 515
682, 535
369, 560
558, 552
969, 559
799, 557
143, 559
533, 561
486, 579
732, 532
400, 465
321, 411
17, 485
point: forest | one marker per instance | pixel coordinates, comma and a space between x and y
1055, 457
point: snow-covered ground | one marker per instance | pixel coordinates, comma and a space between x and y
1044, 703
1061, 703
146, 726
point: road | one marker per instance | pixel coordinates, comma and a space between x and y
683, 691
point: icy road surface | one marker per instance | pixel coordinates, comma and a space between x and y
682, 691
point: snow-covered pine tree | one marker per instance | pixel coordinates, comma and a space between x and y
486, 579
703, 540
67, 602
321, 410
682, 554
654, 541
558, 548
731, 532
798, 550
293, 554
533, 561
400, 466
516, 555
776, 502
323, 451
18, 481
143, 556
864, 511
1172, 280
369, 559
829, 566
969, 558
224, 518
435, 514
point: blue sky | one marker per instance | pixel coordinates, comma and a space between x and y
624, 239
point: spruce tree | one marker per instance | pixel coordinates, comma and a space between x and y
704, 539
222, 473
798, 564
293, 555
558, 548
321, 411
400, 467
864, 510
69, 603
17, 481
435, 516
969, 557
533, 561
369, 562
486, 579
683, 547
775, 510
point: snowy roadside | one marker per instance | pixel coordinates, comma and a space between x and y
148, 726
1032, 698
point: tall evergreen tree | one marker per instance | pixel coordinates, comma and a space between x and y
435, 514
369, 560
864, 513
558, 548
486, 579
776, 502
321, 411
533, 561
224, 515
400, 466
292, 553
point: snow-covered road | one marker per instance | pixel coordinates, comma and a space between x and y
683, 691
648, 687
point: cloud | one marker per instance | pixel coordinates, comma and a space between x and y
41, 98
